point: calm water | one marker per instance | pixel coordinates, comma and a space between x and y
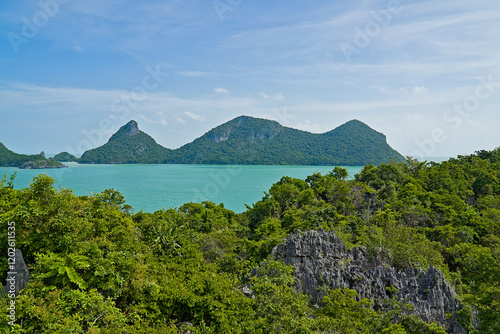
153, 187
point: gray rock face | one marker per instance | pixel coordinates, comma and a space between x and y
41, 164
322, 261
130, 129
18, 275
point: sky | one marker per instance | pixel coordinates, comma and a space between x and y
424, 73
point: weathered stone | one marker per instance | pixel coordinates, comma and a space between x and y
28, 165
130, 129
322, 261
41, 164
247, 292
186, 328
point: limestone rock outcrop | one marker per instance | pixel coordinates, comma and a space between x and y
322, 261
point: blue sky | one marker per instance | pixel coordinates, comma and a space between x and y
425, 73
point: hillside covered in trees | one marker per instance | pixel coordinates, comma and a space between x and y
9, 158
98, 267
252, 141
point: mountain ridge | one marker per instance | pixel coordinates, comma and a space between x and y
292, 145
249, 140
253, 141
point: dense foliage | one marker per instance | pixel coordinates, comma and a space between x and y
11, 159
65, 157
246, 140
99, 268
127, 146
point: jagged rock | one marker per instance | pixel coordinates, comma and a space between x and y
322, 261
18, 275
28, 165
130, 129
185, 328
247, 292
41, 164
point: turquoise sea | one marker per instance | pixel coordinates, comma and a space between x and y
153, 187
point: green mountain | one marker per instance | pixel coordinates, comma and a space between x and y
248, 140
127, 146
23, 161
65, 157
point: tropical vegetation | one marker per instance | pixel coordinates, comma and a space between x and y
9, 158
98, 267
65, 157
252, 141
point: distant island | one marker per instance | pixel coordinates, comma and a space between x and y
242, 141
251, 141
65, 157
9, 158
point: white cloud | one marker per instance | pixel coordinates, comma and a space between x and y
419, 90
194, 116
415, 90
221, 91
425, 42
276, 97
145, 118
180, 120
309, 127
124, 26
161, 121
195, 74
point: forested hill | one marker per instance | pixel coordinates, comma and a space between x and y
97, 267
128, 145
9, 158
65, 157
248, 140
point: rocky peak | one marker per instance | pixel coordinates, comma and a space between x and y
129, 129
322, 260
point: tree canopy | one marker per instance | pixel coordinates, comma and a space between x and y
251, 141
9, 158
98, 267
